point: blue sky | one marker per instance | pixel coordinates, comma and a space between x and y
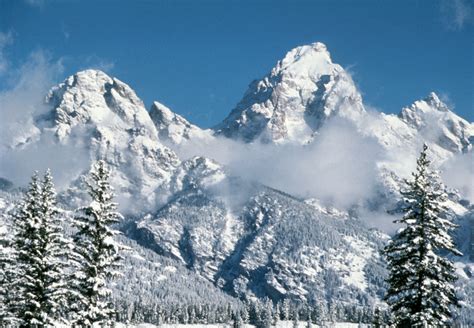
198, 57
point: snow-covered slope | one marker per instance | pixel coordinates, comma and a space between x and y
97, 116
301, 92
269, 244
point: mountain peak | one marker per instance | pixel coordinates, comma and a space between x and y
173, 128
433, 100
90, 79
416, 113
93, 96
92, 72
434, 120
297, 53
106, 117
319, 46
432, 96
313, 60
294, 100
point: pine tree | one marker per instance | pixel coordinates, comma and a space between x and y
25, 229
266, 314
421, 291
245, 313
41, 296
296, 317
255, 312
7, 267
185, 315
97, 254
57, 251
276, 314
192, 316
285, 309
377, 319
320, 312
237, 323
308, 319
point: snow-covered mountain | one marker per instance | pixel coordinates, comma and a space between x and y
306, 89
272, 244
96, 116
434, 120
301, 92
292, 105
429, 121
240, 236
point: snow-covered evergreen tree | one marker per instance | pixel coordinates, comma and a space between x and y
377, 318
320, 312
192, 316
237, 323
7, 267
25, 229
266, 314
40, 293
97, 253
285, 309
276, 314
295, 317
421, 291
309, 320
245, 313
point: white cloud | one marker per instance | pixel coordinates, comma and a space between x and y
20, 105
381, 220
444, 97
337, 168
458, 173
457, 13
24, 99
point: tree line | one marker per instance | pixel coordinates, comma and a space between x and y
260, 313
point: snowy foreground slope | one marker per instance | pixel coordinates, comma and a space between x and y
207, 228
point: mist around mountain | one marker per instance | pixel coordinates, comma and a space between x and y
292, 196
